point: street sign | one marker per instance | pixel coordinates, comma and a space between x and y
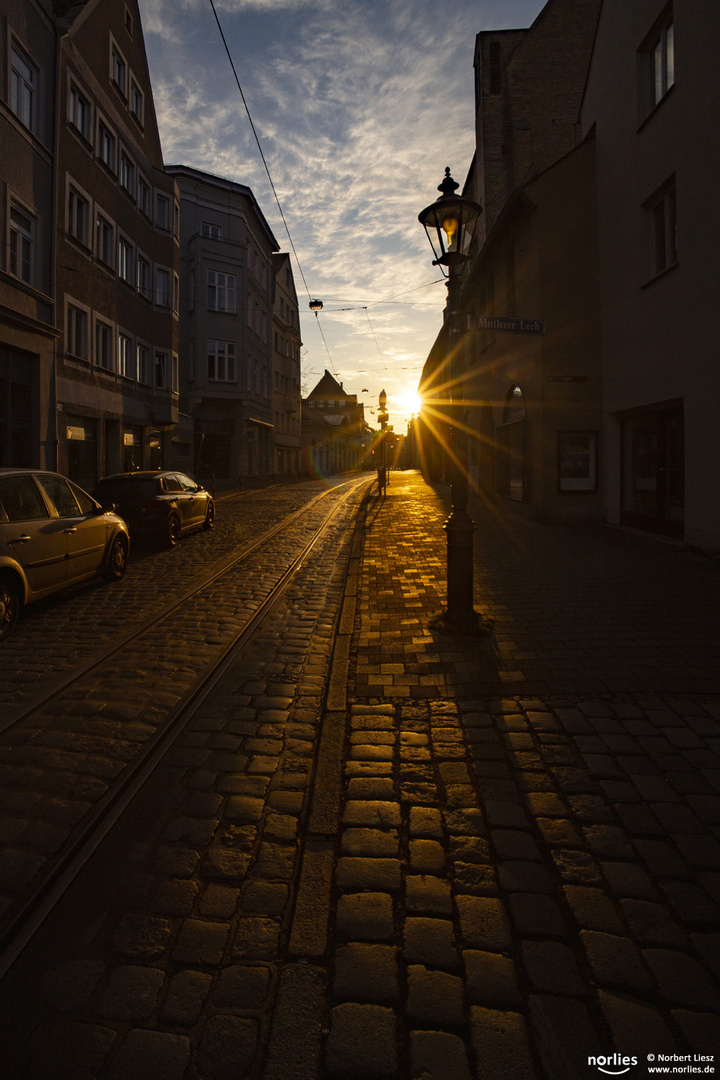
510, 325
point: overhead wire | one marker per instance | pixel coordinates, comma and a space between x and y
267, 170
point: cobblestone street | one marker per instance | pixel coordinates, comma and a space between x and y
383, 850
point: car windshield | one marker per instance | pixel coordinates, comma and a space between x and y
126, 487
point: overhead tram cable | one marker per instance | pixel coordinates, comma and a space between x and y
267, 170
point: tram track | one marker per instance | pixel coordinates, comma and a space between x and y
102, 732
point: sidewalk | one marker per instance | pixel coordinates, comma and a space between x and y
526, 871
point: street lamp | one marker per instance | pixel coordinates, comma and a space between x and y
450, 225
383, 418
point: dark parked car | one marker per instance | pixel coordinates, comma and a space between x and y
158, 506
52, 534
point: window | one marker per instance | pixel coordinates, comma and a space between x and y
23, 88
144, 282
118, 71
107, 145
78, 224
176, 294
137, 102
126, 366
22, 234
162, 288
162, 211
127, 173
662, 216
76, 332
104, 240
221, 361
221, 291
126, 260
658, 54
211, 231
175, 374
79, 111
128, 22
104, 340
161, 370
176, 220
143, 195
143, 364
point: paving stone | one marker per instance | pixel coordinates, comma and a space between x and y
365, 916
564, 1035
368, 842
514, 844
151, 1053
354, 872
426, 822
142, 937
434, 997
559, 832
371, 787
681, 979
186, 995
607, 841
200, 942
227, 1046
519, 876
691, 904
577, 867
551, 967
699, 1028
629, 880
365, 973
263, 898
501, 1044
362, 1044
68, 1052
426, 857
484, 923
372, 813
438, 1055
534, 914
616, 962
256, 938
472, 849
708, 948
132, 993
242, 986
427, 894
652, 924
662, 858
491, 979
636, 1028
218, 901
430, 942
68, 986
475, 878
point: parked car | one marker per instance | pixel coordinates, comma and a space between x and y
52, 535
158, 506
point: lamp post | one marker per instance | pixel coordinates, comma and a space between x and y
450, 224
383, 418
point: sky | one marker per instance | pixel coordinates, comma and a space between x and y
358, 105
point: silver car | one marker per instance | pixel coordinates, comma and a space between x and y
52, 535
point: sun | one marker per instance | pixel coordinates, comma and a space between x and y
410, 402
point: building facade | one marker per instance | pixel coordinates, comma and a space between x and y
117, 237
335, 437
227, 286
89, 320
286, 392
652, 88
28, 338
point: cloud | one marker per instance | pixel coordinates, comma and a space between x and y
359, 106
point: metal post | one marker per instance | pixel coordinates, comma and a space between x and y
459, 527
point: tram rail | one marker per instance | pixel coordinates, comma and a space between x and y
33, 902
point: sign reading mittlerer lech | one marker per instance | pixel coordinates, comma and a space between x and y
509, 325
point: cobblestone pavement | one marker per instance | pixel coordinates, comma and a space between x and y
387, 851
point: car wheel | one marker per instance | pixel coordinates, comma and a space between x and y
10, 606
172, 534
117, 559
209, 516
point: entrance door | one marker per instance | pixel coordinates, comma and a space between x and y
653, 494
